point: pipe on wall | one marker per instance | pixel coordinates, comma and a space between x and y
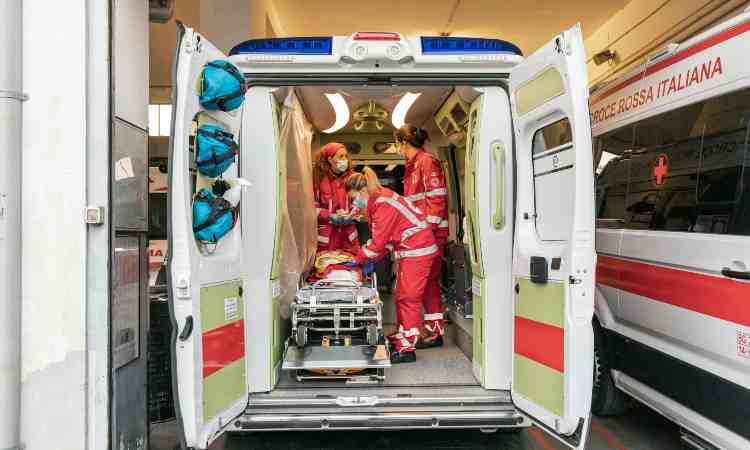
10, 223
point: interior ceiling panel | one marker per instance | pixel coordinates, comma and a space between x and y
528, 24
320, 112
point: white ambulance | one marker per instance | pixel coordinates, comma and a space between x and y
529, 208
672, 325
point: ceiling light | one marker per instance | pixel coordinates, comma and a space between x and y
342, 112
399, 112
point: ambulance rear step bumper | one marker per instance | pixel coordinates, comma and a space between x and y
370, 408
373, 421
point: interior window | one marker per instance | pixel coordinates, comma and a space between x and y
553, 161
551, 136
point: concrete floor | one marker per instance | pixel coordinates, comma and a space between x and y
639, 429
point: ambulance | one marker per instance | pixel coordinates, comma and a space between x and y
672, 321
522, 130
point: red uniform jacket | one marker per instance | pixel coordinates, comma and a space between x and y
329, 198
397, 226
424, 186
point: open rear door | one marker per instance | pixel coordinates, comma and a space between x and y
554, 256
206, 284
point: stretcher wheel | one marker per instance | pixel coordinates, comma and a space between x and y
301, 337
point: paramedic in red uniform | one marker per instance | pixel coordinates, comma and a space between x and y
396, 226
336, 229
424, 187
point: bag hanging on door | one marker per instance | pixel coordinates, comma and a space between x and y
222, 86
213, 217
215, 150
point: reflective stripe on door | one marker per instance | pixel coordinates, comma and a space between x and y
539, 343
223, 338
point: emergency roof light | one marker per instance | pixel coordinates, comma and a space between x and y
465, 46
376, 36
285, 46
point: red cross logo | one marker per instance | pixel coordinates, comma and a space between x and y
661, 169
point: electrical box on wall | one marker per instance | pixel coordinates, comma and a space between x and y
160, 11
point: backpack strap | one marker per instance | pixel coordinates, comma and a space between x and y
220, 136
219, 207
235, 73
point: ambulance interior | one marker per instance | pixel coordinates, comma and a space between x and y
303, 115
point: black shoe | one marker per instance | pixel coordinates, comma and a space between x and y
433, 343
405, 357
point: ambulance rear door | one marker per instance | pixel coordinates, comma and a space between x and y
554, 256
205, 281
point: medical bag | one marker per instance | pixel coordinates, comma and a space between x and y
213, 217
215, 150
222, 86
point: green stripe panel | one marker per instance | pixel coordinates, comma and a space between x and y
478, 326
539, 383
222, 389
221, 304
541, 302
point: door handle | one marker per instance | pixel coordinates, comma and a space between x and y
187, 330
738, 274
498, 152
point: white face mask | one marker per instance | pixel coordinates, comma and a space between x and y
341, 165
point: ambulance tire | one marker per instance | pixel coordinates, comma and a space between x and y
606, 400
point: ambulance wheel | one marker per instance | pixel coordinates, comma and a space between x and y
372, 335
606, 399
301, 336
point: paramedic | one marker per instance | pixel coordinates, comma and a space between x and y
336, 229
397, 226
424, 186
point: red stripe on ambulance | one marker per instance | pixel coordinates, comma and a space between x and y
713, 296
540, 342
677, 57
222, 346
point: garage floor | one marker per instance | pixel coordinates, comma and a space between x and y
639, 429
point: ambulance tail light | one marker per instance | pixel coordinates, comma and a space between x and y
376, 36
285, 46
439, 45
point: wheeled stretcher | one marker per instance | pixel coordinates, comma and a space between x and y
337, 332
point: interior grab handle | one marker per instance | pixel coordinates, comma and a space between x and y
187, 330
498, 154
738, 274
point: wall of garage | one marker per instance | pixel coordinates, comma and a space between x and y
644, 26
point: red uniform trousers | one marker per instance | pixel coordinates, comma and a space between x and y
411, 283
432, 300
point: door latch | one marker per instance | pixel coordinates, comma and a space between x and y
182, 288
574, 280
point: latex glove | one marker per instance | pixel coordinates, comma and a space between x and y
368, 268
335, 219
351, 265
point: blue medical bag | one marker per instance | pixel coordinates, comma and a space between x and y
215, 150
222, 86
213, 217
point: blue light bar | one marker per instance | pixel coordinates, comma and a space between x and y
466, 46
286, 46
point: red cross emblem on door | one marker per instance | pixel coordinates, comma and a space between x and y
660, 170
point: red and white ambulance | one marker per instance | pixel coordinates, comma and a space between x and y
672, 324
